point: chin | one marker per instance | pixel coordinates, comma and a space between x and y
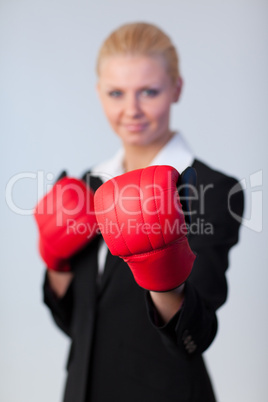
135, 138
138, 138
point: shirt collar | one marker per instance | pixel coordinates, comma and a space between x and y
175, 153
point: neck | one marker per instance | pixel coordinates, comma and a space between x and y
138, 157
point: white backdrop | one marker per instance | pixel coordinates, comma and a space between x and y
48, 109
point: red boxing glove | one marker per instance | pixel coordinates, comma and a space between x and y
141, 219
66, 221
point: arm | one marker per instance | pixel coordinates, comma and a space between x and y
169, 303
59, 282
67, 206
194, 325
60, 307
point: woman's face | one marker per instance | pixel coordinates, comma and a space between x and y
136, 94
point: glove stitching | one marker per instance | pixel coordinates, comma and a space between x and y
141, 209
154, 251
157, 210
117, 220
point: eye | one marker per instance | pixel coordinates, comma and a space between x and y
150, 92
115, 94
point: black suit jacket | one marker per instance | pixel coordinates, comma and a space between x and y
118, 352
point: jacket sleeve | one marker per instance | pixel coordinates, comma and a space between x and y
212, 234
61, 308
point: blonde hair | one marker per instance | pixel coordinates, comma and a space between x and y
141, 39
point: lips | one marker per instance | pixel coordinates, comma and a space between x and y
135, 127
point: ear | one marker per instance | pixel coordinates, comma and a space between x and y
178, 89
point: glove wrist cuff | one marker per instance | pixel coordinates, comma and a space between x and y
163, 269
53, 263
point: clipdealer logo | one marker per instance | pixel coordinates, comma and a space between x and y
252, 187
132, 226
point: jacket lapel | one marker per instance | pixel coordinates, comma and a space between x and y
111, 264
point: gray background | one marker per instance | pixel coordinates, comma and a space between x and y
50, 119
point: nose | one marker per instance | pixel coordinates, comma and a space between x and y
132, 106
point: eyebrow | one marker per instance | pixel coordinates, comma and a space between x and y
152, 85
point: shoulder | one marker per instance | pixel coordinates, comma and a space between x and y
223, 185
219, 199
206, 174
220, 187
93, 181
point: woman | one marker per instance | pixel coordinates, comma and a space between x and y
132, 342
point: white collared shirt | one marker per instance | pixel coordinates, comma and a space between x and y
175, 153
